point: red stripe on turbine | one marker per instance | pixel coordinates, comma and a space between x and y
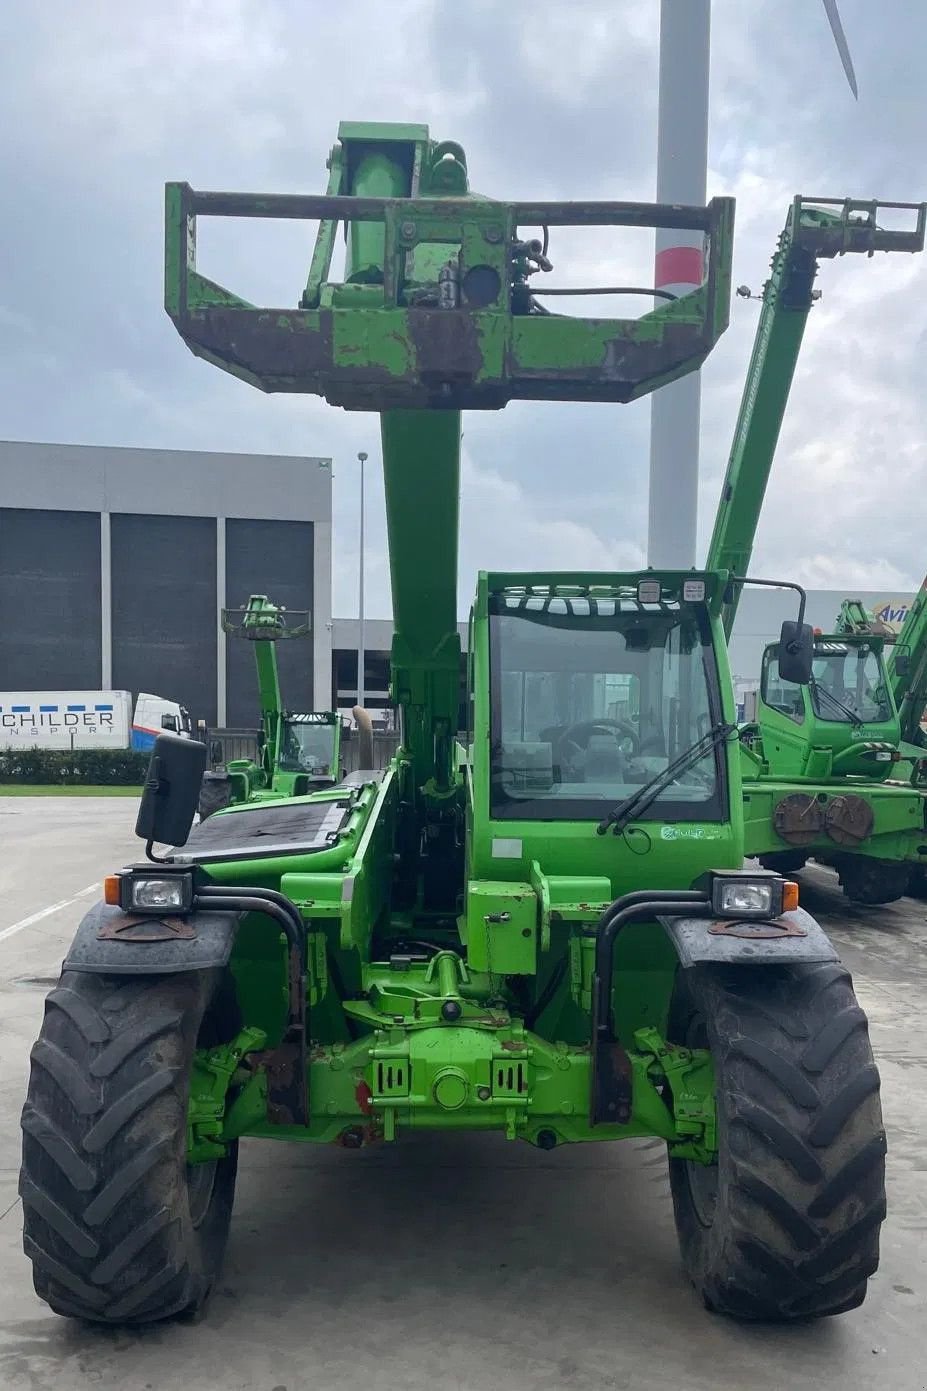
679, 265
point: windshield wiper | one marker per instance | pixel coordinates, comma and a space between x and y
822, 690
645, 796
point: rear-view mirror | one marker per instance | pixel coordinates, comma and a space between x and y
796, 652
902, 664
171, 791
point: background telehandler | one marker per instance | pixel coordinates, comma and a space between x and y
820, 759
297, 752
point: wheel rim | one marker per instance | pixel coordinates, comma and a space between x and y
201, 1180
701, 1179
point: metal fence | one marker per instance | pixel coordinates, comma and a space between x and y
385, 745
226, 744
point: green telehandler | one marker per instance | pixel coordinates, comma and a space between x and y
297, 753
906, 690
820, 758
540, 928
905, 672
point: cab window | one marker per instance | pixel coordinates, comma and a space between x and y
784, 696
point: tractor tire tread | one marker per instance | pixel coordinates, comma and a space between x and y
110, 1058
107, 1222
801, 1191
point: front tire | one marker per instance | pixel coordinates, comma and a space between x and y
866, 880
784, 861
215, 794
119, 1228
786, 1225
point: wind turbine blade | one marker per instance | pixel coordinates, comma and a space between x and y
840, 39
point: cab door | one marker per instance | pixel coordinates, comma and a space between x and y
784, 720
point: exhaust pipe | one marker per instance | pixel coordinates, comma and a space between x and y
364, 737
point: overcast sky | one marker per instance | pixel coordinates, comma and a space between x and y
102, 101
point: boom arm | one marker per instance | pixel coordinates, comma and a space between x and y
812, 232
854, 617
906, 665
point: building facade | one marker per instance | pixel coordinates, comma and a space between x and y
115, 566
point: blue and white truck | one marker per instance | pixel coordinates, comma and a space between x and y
87, 719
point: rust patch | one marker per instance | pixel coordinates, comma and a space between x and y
351, 1138
446, 348
849, 819
798, 819
286, 1100
373, 1131
512, 1045
757, 931
142, 927
613, 1084
364, 1098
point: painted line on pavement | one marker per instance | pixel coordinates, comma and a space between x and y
46, 912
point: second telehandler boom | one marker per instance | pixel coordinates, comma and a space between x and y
819, 758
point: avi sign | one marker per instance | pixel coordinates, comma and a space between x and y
893, 612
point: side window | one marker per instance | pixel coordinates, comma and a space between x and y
784, 696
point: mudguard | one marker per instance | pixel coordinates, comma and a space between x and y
206, 942
794, 937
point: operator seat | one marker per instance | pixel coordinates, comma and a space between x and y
604, 760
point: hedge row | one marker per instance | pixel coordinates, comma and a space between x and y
99, 767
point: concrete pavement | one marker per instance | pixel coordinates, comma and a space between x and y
467, 1264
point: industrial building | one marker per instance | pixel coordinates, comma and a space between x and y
115, 565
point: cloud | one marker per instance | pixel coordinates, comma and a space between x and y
504, 528
100, 104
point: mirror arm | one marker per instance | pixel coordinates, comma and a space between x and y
779, 584
157, 859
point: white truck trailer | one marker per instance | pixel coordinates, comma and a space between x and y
87, 719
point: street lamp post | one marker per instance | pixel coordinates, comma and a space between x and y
362, 457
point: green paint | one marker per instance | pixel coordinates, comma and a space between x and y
449, 951
421, 472
907, 670
210, 1079
690, 1076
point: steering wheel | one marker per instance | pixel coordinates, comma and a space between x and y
581, 731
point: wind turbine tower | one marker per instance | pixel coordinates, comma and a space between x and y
682, 162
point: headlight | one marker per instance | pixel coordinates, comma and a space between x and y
150, 894
749, 893
745, 898
142, 891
